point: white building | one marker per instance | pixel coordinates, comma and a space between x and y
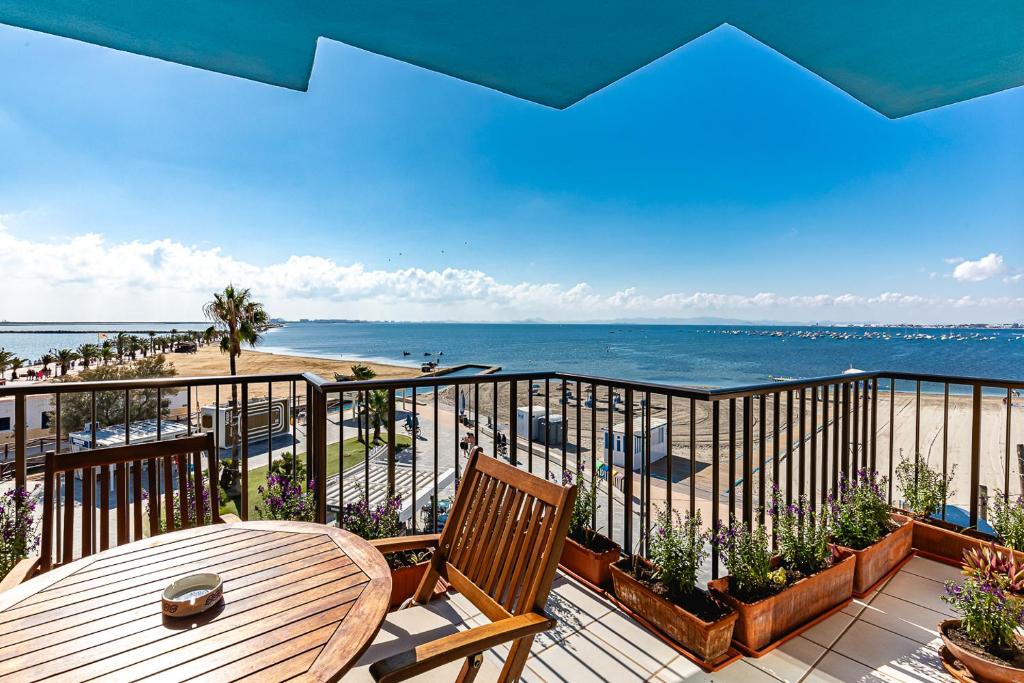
551, 425
659, 442
38, 413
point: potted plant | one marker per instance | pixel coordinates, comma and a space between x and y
586, 553
989, 602
17, 532
231, 478
283, 498
863, 525
775, 595
925, 492
383, 521
664, 591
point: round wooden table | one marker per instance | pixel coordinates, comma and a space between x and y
300, 600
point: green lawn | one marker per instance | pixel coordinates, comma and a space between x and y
355, 453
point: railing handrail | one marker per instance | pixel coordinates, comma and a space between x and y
73, 387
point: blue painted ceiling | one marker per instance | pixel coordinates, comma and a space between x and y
897, 57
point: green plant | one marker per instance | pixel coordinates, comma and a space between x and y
991, 565
381, 521
17, 538
583, 508
803, 534
678, 548
1008, 520
748, 557
189, 502
289, 466
285, 499
858, 510
988, 615
924, 490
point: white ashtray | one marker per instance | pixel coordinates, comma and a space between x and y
192, 594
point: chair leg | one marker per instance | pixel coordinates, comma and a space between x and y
516, 660
470, 668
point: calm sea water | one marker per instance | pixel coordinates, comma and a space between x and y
694, 355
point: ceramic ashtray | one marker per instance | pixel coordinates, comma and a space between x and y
192, 594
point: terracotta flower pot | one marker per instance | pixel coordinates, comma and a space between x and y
881, 557
982, 669
587, 564
709, 641
763, 622
405, 581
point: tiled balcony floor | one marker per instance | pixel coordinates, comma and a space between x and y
889, 636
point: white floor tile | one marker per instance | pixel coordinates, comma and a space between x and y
790, 661
907, 619
918, 590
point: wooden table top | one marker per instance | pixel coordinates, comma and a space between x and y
300, 600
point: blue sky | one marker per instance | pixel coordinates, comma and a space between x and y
721, 180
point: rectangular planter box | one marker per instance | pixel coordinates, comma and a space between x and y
880, 558
709, 641
763, 622
405, 581
587, 564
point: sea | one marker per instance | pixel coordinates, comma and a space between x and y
694, 355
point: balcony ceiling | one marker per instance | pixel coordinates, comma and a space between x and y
897, 57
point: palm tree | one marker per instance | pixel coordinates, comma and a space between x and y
152, 341
237, 320
46, 359
361, 373
121, 341
5, 361
378, 406
107, 353
88, 353
16, 364
64, 358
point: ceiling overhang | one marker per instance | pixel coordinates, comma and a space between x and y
897, 57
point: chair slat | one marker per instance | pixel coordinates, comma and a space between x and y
183, 506
197, 487
504, 540
168, 467
104, 499
507, 593
68, 547
487, 537
123, 505
467, 539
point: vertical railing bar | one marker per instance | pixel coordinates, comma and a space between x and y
802, 464
856, 460
716, 481
513, 423
20, 442
627, 471
748, 460
104, 530
945, 439
565, 424
611, 466
975, 453
433, 519
845, 461
529, 428
732, 457
392, 446
646, 481
762, 455
813, 483
693, 456
578, 446
668, 454
892, 431
776, 449
457, 393
341, 462
293, 416
244, 448
824, 442
874, 424
365, 427
1006, 471
836, 421
59, 549
547, 429
789, 446
917, 419
494, 420
476, 414
593, 451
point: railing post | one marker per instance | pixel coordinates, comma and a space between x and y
845, 439
321, 454
20, 468
391, 446
748, 464
627, 470
975, 452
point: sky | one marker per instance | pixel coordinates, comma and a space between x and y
721, 180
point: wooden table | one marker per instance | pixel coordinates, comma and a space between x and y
299, 600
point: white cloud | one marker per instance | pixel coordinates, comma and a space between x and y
955, 260
87, 278
984, 268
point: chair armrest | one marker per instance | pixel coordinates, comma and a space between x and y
456, 646
229, 519
20, 572
397, 544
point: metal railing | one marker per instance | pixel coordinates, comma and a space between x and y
641, 446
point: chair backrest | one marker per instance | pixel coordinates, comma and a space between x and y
167, 475
501, 544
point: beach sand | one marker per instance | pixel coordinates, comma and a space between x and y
210, 361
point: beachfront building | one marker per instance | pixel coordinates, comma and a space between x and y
619, 442
542, 428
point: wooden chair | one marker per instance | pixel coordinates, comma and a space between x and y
174, 455
499, 549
